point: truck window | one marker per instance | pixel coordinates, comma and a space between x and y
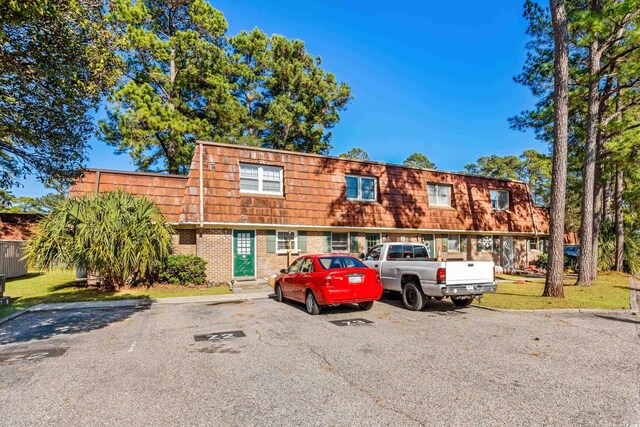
394, 252
407, 251
374, 254
420, 252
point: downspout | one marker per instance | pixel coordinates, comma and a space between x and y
201, 194
97, 182
533, 221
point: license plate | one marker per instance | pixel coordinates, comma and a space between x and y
470, 288
355, 279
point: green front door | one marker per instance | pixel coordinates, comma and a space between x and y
244, 253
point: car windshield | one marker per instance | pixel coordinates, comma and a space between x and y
333, 262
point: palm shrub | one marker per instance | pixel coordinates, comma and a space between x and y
607, 249
121, 238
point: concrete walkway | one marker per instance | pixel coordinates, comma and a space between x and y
140, 302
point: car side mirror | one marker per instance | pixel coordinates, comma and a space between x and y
361, 256
283, 270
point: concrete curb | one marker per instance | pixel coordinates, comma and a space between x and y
12, 316
212, 298
138, 302
555, 310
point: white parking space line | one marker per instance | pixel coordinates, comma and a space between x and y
132, 346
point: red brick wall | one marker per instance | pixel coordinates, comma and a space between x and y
216, 250
184, 241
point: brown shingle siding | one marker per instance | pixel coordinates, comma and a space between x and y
314, 194
166, 190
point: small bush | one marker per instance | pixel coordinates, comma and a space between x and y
184, 270
542, 261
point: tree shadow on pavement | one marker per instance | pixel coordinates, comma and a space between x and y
328, 310
34, 326
432, 305
618, 319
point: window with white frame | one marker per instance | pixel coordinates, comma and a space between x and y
499, 200
372, 239
453, 243
361, 188
538, 244
439, 195
260, 179
287, 241
339, 242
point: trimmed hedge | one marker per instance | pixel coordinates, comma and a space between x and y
184, 270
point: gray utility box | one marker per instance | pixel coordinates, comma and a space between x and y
3, 281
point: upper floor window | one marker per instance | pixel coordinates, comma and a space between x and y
361, 188
260, 179
499, 200
439, 195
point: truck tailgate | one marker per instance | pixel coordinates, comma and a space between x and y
469, 272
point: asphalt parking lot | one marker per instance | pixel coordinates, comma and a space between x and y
276, 365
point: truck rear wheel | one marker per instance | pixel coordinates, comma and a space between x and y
461, 301
412, 297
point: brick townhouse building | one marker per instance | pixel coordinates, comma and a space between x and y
248, 210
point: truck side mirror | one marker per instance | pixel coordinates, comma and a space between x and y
283, 270
361, 256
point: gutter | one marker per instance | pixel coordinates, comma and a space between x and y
253, 226
533, 218
201, 201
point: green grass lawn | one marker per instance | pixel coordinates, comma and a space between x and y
60, 286
610, 291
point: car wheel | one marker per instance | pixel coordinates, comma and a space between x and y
461, 302
366, 306
279, 296
311, 304
412, 297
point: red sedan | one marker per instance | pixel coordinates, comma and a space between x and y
319, 280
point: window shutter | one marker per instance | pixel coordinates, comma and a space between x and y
302, 241
271, 241
327, 242
354, 243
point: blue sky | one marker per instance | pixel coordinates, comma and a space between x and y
429, 77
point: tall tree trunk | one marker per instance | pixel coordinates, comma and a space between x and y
554, 282
598, 202
607, 213
585, 260
619, 266
171, 145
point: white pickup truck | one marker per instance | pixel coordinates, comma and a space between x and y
408, 268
